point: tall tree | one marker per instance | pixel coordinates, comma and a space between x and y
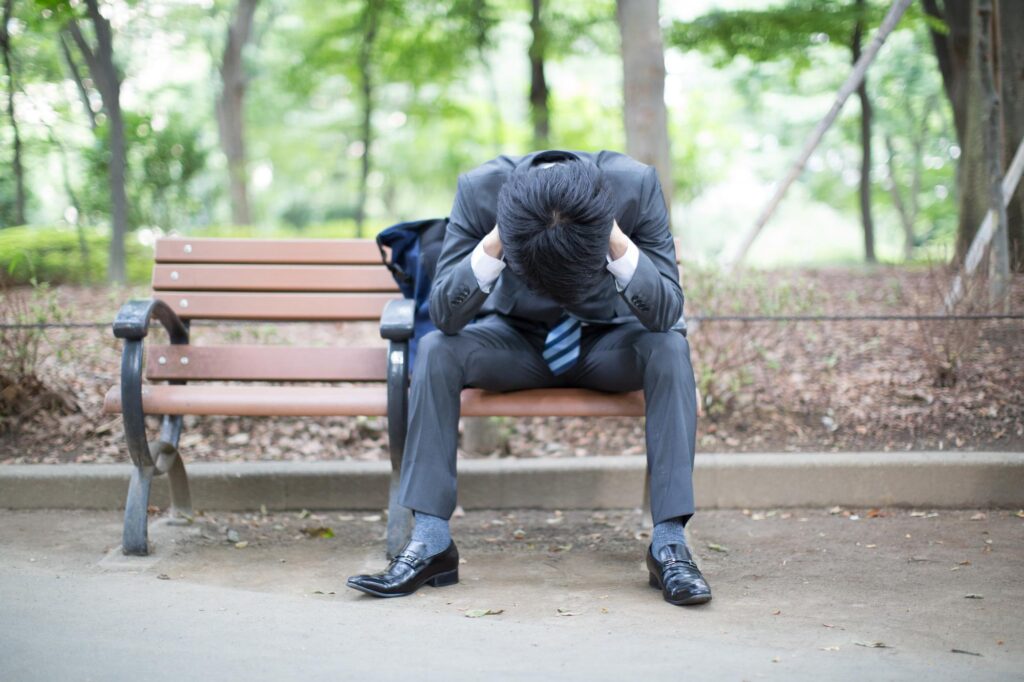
107, 79
369, 27
540, 115
865, 140
955, 32
16, 165
231, 108
788, 32
1011, 62
643, 81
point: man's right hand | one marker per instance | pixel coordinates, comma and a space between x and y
492, 243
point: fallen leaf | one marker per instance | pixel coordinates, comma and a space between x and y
980, 516
241, 545
304, 513
566, 612
835, 510
519, 533
1020, 514
318, 532
263, 509
714, 547
874, 645
163, 576
775, 659
776, 612
604, 609
479, 613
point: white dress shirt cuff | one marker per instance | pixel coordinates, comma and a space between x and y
624, 267
486, 268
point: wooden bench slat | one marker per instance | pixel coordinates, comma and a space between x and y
265, 363
275, 306
257, 401
552, 402
280, 251
321, 401
234, 277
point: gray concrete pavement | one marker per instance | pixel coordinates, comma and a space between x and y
795, 591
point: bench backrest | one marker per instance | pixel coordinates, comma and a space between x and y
272, 279
266, 280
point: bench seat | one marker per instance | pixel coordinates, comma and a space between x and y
324, 401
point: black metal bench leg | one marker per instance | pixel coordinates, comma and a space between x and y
399, 518
135, 539
181, 498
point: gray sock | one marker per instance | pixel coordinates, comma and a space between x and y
432, 531
668, 532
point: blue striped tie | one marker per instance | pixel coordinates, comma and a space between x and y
562, 346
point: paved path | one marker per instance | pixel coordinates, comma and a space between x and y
795, 592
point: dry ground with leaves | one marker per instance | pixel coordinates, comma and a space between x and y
767, 386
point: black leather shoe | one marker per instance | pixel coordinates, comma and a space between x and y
409, 570
677, 576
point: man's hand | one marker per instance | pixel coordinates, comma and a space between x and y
492, 243
618, 242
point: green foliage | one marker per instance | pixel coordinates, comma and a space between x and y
53, 254
164, 157
785, 32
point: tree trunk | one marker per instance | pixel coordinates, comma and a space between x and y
999, 259
16, 165
865, 144
906, 219
76, 76
643, 82
231, 109
366, 128
1011, 62
539, 95
104, 74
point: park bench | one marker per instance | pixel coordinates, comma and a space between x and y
310, 280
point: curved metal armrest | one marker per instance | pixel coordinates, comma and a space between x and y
132, 321
132, 325
398, 319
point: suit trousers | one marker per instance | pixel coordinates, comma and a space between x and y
492, 353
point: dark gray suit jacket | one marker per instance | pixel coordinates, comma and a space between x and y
653, 296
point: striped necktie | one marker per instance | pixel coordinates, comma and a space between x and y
562, 346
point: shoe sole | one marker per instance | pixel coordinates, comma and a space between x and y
439, 580
696, 599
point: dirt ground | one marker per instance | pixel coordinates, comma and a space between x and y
821, 386
817, 594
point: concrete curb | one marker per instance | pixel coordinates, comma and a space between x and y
721, 481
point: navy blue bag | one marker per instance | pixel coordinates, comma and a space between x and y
415, 247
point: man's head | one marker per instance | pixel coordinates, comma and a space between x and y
554, 222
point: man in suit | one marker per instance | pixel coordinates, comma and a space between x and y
557, 269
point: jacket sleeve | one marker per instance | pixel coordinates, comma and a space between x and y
455, 296
654, 294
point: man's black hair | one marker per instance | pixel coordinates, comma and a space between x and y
554, 223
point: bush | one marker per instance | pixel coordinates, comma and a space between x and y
53, 253
44, 253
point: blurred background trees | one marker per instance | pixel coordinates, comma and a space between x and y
124, 119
